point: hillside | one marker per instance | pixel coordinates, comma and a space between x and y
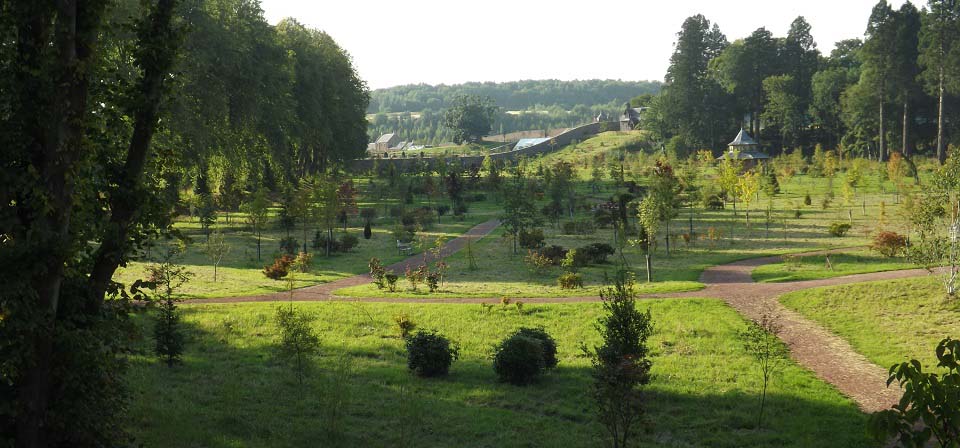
414, 111
515, 95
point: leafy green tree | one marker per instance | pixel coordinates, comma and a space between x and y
658, 207
78, 195
827, 87
620, 363
327, 203
519, 211
926, 414
470, 117
800, 60
215, 248
206, 209
939, 58
165, 278
760, 340
906, 69
690, 104
257, 214
741, 69
299, 342
879, 61
784, 108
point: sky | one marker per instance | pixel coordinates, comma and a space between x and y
449, 42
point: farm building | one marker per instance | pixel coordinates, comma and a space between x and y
630, 117
386, 142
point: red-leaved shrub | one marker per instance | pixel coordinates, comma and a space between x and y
889, 244
280, 267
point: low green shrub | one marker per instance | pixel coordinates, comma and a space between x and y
433, 281
348, 241
377, 272
555, 253
537, 262
713, 202
579, 227
391, 280
596, 253
519, 360
289, 245
429, 354
532, 239
839, 229
570, 280
404, 324
547, 342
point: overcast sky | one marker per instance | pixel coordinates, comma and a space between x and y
435, 41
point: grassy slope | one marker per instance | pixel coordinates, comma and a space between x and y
231, 393
815, 267
888, 322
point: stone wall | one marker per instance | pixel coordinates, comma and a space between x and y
578, 133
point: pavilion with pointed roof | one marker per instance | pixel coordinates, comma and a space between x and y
745, 149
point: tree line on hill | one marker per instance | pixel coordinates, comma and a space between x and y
415, 112
895, 90
108, 111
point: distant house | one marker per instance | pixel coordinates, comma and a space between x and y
385, 142
745, 149
630, 117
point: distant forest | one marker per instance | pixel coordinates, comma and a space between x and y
414, 111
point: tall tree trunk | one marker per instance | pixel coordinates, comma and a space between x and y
55, 144
649, 265
124, 203
941, 152
883, 137
905, 149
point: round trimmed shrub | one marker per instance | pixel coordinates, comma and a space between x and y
547, 342
839, 229
518, 360
429, 354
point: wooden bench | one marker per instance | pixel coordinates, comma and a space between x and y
404, 248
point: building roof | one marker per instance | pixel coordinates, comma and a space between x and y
385, 138
744, 155
527, 142
743, 139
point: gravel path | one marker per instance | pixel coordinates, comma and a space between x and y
827, 355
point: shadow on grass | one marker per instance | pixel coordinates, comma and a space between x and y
230, 391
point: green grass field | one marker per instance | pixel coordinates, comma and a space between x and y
888, 322
815, 266
241, 273
719, 236
230, 391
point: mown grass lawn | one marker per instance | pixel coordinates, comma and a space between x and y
888, 322
230, 391
815, 267
240, 273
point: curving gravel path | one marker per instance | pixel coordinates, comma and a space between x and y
827, 355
